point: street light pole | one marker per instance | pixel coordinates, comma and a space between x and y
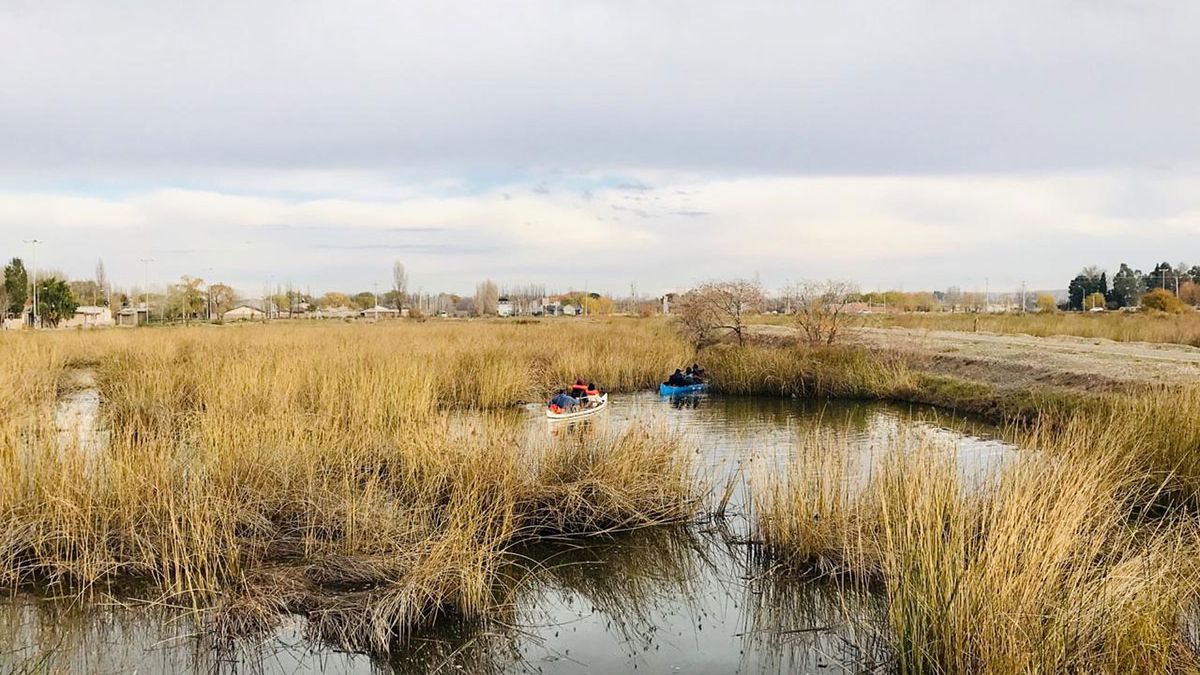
146, 290
33, 283
208, 289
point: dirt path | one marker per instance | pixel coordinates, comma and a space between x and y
1015, 361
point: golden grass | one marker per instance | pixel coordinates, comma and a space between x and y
1052, 565
807, 372
1118, 326
320, 469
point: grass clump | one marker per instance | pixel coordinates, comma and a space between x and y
1051, 565
807, 372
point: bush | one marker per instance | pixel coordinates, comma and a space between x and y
1162, 300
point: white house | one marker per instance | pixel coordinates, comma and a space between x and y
504, 307
380, 312
90, 316
243, 313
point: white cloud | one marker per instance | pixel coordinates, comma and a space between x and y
924, 231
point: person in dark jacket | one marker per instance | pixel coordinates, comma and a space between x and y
562, 401
677, 379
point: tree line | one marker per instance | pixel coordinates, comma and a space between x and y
1092, 288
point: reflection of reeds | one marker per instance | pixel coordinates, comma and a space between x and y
802, 624
628, 577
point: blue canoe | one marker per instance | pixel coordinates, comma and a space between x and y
668, 390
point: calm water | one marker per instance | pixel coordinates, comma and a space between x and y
671, 600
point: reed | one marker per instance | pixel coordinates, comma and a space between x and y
332, 471
807, 372
1053, 564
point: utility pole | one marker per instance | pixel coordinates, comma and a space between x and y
1023, 305
146, 290
34, 313
208, 292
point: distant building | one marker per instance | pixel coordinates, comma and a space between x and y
334, 313
504, 307
133, 316
90, 316
667, 299
380, 312
243, 313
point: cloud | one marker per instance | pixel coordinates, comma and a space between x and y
926, 231
768, 87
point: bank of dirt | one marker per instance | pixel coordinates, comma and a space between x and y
1015, 363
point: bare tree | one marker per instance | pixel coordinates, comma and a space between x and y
696, 319
399, 282
101, 283
820, 308
487, 297
719, 305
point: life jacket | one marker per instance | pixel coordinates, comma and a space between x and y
554, 408
579, 389
593, 392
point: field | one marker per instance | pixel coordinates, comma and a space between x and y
380, 479
1117, 326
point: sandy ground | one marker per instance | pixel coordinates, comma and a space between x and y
1015, 361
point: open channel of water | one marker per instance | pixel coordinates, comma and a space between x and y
666, 600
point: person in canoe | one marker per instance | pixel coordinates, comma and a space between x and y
593, 393
563, 402
579, 390
678, 379
698, 372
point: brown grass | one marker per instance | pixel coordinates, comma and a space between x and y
1119, 326
320, 469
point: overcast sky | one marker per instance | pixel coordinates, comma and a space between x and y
916, 144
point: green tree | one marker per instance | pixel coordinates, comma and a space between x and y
364, 300
185, 299
1163, 276
55, 301
16, 286
1127, 287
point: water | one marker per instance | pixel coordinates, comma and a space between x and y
669, 600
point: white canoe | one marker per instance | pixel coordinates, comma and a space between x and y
581, 412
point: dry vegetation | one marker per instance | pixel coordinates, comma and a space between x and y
1077, 557
318, 470
1183, 328
329, 471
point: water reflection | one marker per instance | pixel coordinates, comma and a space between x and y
683, 599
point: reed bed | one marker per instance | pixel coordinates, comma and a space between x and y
324, 470
1056, 563
808, 372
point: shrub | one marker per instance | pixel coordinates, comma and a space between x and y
1162, 300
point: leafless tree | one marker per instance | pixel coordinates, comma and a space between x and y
399, 282
487, 296
102, 283
820, 308
696, 319
719, 305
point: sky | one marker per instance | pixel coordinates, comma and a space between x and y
600, 144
